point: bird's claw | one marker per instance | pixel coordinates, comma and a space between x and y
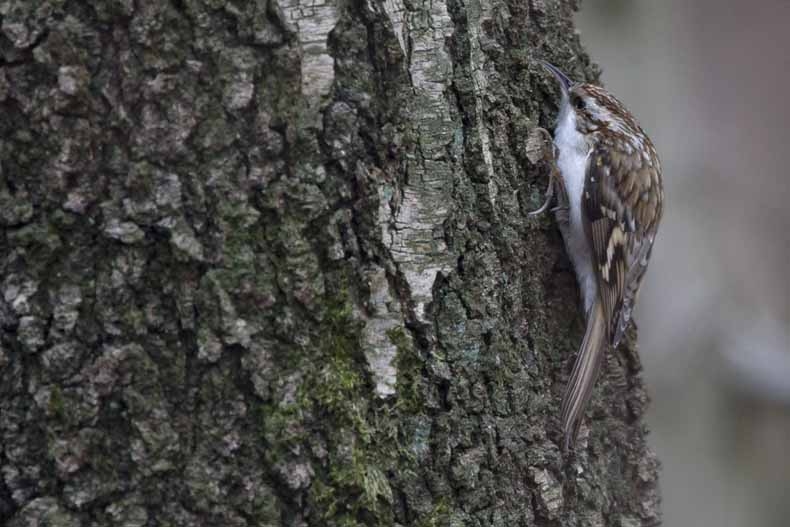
549, 195
541, 148
562, 197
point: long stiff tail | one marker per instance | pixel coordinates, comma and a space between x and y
585, 372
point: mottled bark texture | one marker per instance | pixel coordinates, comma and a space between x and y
268, 263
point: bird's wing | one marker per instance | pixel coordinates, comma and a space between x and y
623, 203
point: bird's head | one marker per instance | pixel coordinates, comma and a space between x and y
593, 109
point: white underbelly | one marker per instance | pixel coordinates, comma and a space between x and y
572, 164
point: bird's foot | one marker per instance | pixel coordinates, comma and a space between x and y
549, 196
540, 147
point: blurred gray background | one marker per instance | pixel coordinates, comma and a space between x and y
709, 82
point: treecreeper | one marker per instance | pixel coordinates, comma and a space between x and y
609, 205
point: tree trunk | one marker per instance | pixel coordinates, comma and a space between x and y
269, 263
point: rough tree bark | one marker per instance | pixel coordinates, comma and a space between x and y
268, 263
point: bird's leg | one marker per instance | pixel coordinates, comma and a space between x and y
562, 209
549, 195
541, 148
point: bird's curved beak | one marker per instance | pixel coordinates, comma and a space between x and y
565, 82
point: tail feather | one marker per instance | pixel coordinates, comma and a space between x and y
585, 372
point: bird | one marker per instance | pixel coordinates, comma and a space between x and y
611, 204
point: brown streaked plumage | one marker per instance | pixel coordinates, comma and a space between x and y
613, 179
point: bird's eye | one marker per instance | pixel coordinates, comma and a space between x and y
579, 103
